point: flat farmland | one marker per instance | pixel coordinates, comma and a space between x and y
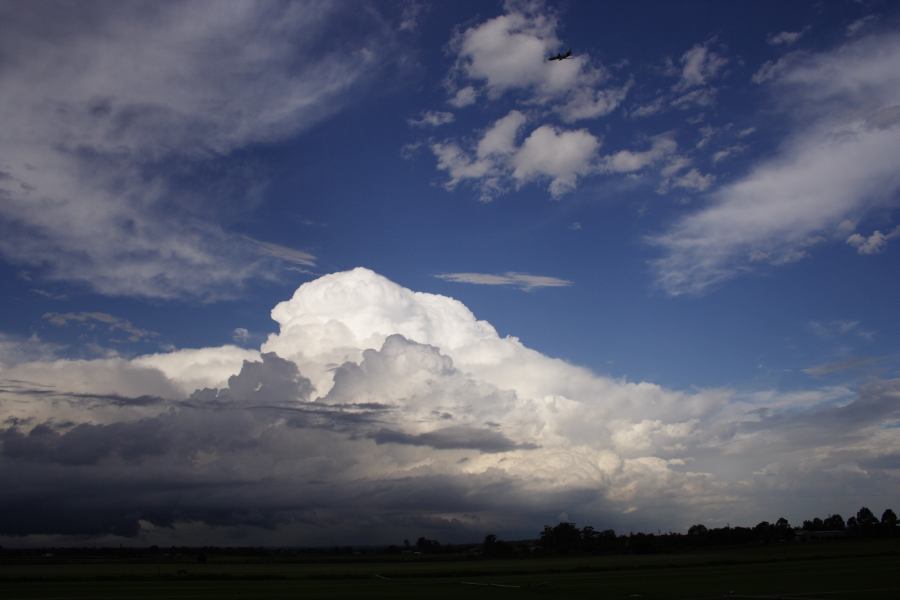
838, 571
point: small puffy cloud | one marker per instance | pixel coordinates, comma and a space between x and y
91, 319
412, 12
463, 97
699, 65
562, 156
694, 180
589, 104
459, 166
523, 281
508, 53
628, 161
875, 243
500, 138
547, 153
431, 118
240, 335
786, 38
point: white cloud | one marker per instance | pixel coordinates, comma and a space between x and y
463, 97
627, 161
860, 24
837, 162
830, 329
875, 243
90, 319
562, 156
649, 109
589, 104
523, 281
240, 335
291, 256
431, 118
696, 97
501, 137
728, 152
509, 53
694, 180
699, 65
89, 119
453, 159
786, 38
369, 389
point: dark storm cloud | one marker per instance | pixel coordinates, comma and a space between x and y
455, 437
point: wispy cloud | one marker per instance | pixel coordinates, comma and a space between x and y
840, 366
786, 38
431, 118
522, 281
123, 89
837, 162
91, 319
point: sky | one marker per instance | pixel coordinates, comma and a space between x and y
301, 273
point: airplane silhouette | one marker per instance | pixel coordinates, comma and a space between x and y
562, 56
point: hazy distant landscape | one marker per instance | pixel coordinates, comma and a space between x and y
766, 561
863, 569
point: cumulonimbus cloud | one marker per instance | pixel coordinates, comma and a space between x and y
376, 412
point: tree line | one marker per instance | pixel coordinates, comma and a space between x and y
566, 537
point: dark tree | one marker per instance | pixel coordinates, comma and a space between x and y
834, 523
426, 546
698, 530
865, 518
889, 518
494, 547
564, 537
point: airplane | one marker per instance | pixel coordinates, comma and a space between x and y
562, 56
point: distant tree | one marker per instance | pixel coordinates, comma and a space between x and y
698, 530
834, 523
807, 525
782, 524
852, 524
426, 546
564, 537
889, 518
818, 524
866, 518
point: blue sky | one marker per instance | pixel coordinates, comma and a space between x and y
704, 198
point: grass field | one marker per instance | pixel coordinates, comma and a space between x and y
833, 571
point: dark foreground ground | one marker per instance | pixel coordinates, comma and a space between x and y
833, 571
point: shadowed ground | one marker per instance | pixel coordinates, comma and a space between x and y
838, 571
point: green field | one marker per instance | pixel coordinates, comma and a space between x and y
838, 571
